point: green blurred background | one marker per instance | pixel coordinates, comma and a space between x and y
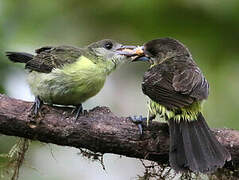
209, 28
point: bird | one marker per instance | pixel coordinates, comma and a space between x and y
177, 89
67, 75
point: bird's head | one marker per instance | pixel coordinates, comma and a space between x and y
109, 51
159, 50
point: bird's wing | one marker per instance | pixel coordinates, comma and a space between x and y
48, 58
175, 84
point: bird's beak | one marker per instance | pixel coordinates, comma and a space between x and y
135, 52
126, 50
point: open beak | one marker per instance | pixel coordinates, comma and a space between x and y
135, 52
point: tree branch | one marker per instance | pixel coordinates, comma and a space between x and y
99, 131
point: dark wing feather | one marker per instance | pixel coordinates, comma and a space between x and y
189, 80
48, 58
175, 83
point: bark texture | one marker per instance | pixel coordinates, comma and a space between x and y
99, 131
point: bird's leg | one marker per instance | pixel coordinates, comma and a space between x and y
79, 110
37, 105
139, 121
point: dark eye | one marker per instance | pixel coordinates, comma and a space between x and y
108, 45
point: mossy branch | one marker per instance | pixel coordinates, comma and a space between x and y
99, 131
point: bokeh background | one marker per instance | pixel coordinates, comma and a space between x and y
209, 28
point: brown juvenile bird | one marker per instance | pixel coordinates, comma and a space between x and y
177, 88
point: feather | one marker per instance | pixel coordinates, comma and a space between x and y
194, 147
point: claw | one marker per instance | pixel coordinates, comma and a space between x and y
138, 121
140, 129
37, 105
79, 110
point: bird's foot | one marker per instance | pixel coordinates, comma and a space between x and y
139, 121
35, 112
79, 110
36, 106
85, 112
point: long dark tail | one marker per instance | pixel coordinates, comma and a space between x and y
194, 147
19, 57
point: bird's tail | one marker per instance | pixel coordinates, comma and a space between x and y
19, 57
194, 147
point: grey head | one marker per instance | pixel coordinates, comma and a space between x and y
109, 50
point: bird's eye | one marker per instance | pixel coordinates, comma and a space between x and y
108, 45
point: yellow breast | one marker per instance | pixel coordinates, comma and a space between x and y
71, 85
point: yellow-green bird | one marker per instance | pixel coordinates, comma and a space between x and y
69, 75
